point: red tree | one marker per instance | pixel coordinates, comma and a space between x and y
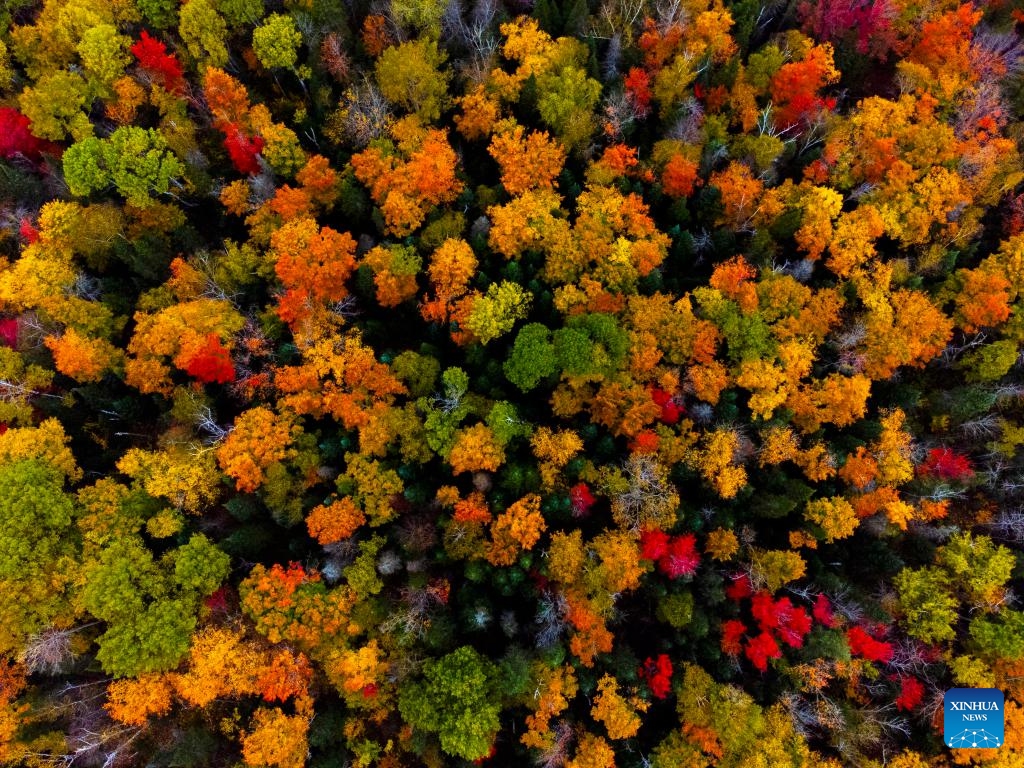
163, 67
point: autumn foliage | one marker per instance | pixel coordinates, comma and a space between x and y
565, 384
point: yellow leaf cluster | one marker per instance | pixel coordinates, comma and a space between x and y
618, 715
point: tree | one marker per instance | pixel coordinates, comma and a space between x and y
496, 312
137, 161
835, 516
458, 700
532, 358
104, 53
163, 67
406, 184
527, 162
515, 530
927, 605
276, 739
618, 715
203, 31
259, 440
276, 41
149, 607
313, 264
411, 76
37, 549
55, 106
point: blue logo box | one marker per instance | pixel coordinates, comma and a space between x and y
973, 718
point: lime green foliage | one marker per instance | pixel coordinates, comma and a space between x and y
533, 357
55, 105
496, 313
37, 543
567, 104
137, 161
276, 41
928, 608
990, 362
458, 700
149, 606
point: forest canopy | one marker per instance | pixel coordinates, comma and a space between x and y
569, 383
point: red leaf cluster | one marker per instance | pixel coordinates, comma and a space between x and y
822, 612
212, 363
657, 673
911, 694
243, 150
16, 139
163, 67
864, 645
869, 20
27, 230
671, 410
676, 555
9, 332
778, 621
946, 464
762, 648
581, 499
638, 91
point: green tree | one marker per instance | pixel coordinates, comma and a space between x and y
38, 549
532, 358
55, 105
203, 31
990, 362
999, 637
458, 699
136, 160
104, 53
149, 606
160, 14
276, 42
567, 104
411, 76
496, 312
928, 608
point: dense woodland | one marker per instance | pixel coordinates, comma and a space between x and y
568, 383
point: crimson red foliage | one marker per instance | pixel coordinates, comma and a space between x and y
653, 544
911, 693
16, 139
739, 588
864, 645
638, 91
242, 149
795, 627
682, 557
762, 648
823, 611
869, 20
27, 230
671, 410
945, 464
163, 67
657, 673
212, 363
9, 331
732, 636
763, 609
582, 499
218, 601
